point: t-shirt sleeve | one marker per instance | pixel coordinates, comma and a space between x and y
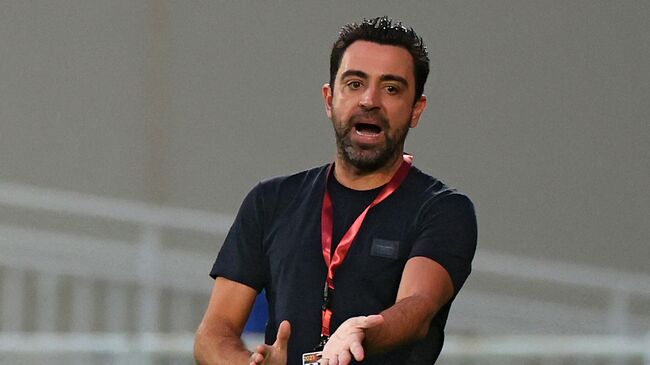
447, 235
241, 257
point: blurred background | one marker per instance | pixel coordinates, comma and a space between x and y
130, 131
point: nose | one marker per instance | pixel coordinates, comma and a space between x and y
370, 98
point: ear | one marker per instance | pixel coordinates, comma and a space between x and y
418, 109
327, 96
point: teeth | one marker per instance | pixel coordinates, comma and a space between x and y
366, 133
364, 129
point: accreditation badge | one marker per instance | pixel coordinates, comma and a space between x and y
311, 358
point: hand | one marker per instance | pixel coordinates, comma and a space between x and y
346, 342
275, 354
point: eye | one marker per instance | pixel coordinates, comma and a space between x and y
354, 85
392, 90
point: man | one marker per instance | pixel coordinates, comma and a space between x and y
365, 254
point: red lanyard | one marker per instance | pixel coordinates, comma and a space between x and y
327, 226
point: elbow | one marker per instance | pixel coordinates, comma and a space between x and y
197, 351
424, 326
422, 331
200, 348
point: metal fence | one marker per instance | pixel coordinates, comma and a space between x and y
134, 292
177, 349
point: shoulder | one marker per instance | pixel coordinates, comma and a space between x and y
445, 227
277, 193
292, 183
433, 202
431, 191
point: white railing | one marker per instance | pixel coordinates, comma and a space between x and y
52, 255
136, 273
618, 288
541, 347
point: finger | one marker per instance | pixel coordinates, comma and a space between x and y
256, 358
344, 358
284, 332
356, 349
365, 322
372, 321
334, 360
261, 351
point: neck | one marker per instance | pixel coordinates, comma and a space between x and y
353, 178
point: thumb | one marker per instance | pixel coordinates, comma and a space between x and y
372, 321
284, 331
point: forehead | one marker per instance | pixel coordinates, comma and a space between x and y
378, 59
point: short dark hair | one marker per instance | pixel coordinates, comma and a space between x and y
383, 30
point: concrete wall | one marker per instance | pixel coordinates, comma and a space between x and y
538, 110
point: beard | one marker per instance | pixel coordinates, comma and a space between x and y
368, 158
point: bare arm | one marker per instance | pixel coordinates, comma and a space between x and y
425, 287
218, 338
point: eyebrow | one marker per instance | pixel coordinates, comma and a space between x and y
356, 73
396, 78
365, 76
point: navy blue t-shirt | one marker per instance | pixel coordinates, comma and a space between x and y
275, 244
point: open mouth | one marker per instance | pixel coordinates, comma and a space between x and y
367, 129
